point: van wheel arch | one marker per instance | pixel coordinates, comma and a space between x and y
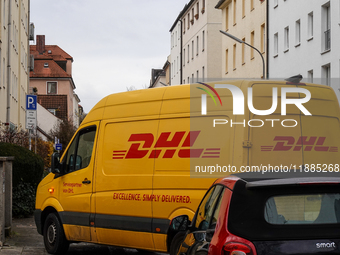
45, 213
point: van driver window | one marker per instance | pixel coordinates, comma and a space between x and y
80, 151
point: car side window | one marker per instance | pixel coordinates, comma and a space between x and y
79, 154
206, 210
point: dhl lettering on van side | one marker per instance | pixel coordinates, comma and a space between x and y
305, 143
179, 145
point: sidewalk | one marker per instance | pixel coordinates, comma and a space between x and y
25, 240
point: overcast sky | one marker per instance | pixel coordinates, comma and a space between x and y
114, 44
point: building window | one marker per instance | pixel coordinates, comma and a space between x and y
310, 25
197, 75
53, 111
188, 21
243, 48
203, 6
243, 8
203, 40
286, 39
197, 46
192, 49
184, 57
252, 41
263, 38
234, 57
297, 33
310, 76
184, 26
192, 78
276, 44
227, 18
188, 53
197, 10
326, 74
252, 5
326, 26
234, 14
226, 60
276, 3
193, 15
202, 73
51, 87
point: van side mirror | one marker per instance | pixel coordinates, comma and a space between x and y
180, 223
55, 163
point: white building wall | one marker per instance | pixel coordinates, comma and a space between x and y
14, 70
45, 120
175, 55
201, 47
307, 56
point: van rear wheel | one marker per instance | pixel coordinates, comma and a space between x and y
54, 237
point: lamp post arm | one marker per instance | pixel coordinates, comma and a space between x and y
263, 64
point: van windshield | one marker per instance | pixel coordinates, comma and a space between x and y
303, 209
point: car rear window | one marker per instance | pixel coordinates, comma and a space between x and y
285, 212
303, 209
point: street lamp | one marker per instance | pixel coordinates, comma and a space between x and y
240, 41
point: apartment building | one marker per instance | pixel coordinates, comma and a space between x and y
196, 49
304, 39
14, 61
52, 78
246, 20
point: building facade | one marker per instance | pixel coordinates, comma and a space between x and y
14, 61
195, 47
246, 20
52, 78
306, 42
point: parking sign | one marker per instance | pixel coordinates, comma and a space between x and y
31, 111
31, 102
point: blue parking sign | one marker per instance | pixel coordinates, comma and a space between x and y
31, 102
58, 146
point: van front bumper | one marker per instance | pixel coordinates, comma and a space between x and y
37, 219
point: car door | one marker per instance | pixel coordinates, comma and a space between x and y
76, 184
204, 223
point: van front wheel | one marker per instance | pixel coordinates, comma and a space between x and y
54, 237
177, 242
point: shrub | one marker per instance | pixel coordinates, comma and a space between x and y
27, 166
23, 200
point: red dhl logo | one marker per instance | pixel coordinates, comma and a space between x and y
181, 144
305, 143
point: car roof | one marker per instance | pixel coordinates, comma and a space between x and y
257, 181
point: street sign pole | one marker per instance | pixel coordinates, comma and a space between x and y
31, 116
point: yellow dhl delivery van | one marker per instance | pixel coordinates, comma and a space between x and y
143, 157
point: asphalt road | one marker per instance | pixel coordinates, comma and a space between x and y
25, 240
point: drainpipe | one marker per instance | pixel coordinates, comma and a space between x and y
9, 48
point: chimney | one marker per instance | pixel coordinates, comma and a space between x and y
41, 43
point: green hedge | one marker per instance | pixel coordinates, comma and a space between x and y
27, 173
27, 166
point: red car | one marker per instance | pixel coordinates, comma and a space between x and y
245, 216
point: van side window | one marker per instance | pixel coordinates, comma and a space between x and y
80, 151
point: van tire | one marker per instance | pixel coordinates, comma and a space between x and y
54, 236
202, 252
176, 242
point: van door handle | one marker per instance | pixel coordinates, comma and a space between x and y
86, 181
